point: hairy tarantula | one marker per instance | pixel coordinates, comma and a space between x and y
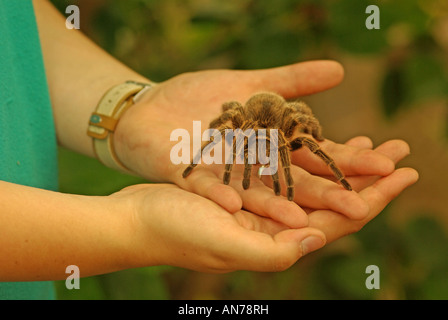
270, 111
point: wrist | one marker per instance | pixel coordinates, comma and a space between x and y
134, 141
141, 244
104, 120
120, 231
94, 233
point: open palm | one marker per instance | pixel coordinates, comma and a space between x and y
143, 142
195, 233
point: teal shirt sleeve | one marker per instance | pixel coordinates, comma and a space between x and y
28, 148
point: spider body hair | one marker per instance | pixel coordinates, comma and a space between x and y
267, 110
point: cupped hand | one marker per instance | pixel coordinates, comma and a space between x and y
195, 233
377, 191
143, 144
171, 226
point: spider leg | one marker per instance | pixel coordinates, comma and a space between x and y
285, 160
311, 126
245, 148
316, 130
231, 105
301, 106
303, 117
197, 157
247, 173
247, 166
229, 165
237, 149
315, 148
275, 179
276, 183
232, 111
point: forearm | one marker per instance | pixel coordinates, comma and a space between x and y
42, 232
78, 74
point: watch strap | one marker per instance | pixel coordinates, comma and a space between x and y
104, 120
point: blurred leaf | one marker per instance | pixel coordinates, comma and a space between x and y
79, 174
239, 282
425, 77
435, 286
143, 283
407, 12
272, 49
347, 27
133, 284
89, 289
343, 277
393, 91
427, 243
419, 77
427, 258
378, 236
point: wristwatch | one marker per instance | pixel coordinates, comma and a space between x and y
103, 121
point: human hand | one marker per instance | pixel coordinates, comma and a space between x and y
157, 224
142, 140
377, 191
170, 226
179, 228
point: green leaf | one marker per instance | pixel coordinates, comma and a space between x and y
133, 284
344, 276
79, 174
420, 77
393, 91
424, 77
90, 288
435, 286
426, 243
347, 27
270, 49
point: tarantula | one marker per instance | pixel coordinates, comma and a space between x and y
270, 111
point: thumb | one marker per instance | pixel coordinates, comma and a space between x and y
260, 252
300, 79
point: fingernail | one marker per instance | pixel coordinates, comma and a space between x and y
311, 244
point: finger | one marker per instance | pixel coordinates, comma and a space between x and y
361, 142
255, 222
257, 251
395, 150
318, 193
261, 200
377, 196
205, 183
351, 160
299, 79
385, 190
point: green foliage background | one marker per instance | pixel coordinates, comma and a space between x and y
162, 38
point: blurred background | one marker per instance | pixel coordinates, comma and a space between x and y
396, 86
